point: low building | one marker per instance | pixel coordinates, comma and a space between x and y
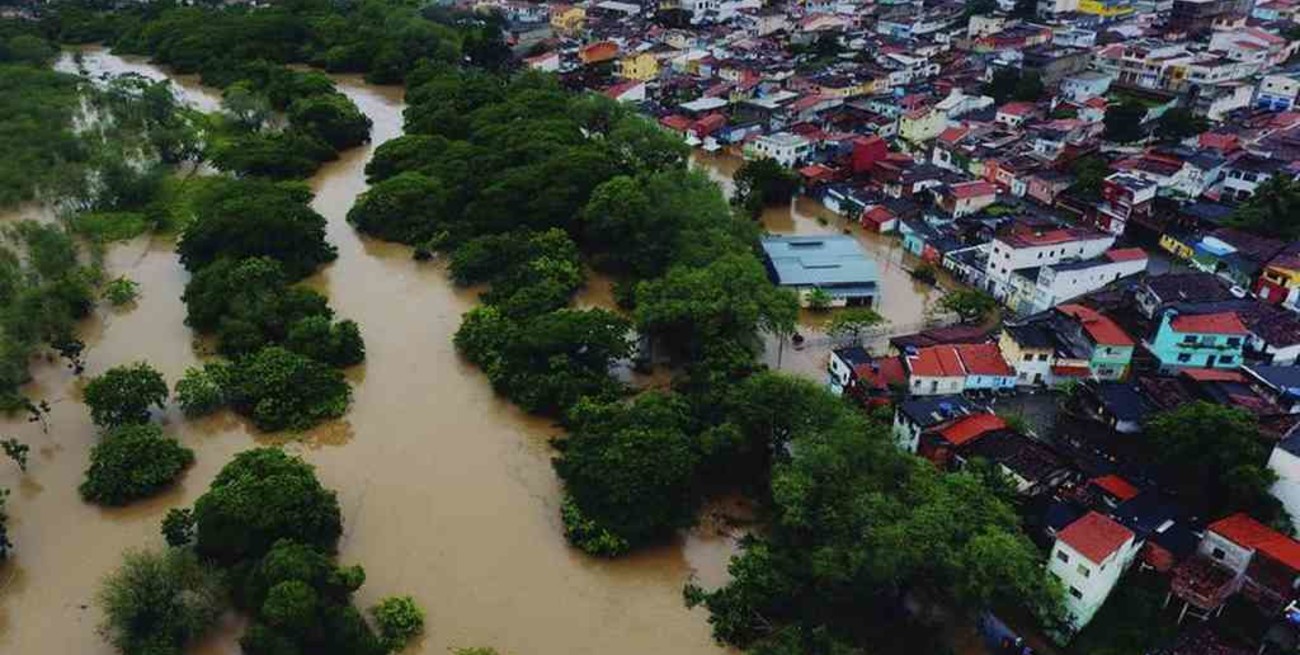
1156, 293
788, 149
1199, 340
965, 198
914, 416
870, 380
835, 266
1088, 558
1067, 280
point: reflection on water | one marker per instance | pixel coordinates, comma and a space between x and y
447, 492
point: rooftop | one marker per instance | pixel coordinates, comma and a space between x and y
834, 260
1095, 536
1221, 323
969, 428
1246, 532
1101, 328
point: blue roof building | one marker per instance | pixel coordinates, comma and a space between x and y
836, 264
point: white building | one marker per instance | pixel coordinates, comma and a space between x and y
1061, 282
786, 148
1028, 247
1084, 85
1285, 462
1087, 559
1278, 92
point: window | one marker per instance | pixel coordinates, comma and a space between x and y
1060, 554
1226, 359
1029, 357
1042, 357
1076, 593
1184, 358
1084, 571
1218, 553
1233, 342
1190, 340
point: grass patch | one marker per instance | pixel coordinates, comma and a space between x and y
107, 227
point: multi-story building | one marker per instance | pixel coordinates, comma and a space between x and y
1279, 283
1030, 247
1278, 91
1198, 340
1124, 197
1199, 16
786, 148
1088, 558
1070, 342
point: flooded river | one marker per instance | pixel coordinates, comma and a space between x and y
447, 491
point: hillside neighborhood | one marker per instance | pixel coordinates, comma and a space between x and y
1119, 176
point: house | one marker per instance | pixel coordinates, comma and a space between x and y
1158, 292
1057, 283
986, 370
1028, 246
1279, 283
1029, 464
598, 52
1014, 114
1280, 383
1125, 197
916, 415
965, 198
1070, 342
934, 371
1198, 340
835, 265
1277, 91
871, 381
642, 66
1235, 255
1084, 85
627, 91
547, 62
1261, 563
1121, 405
786, 148
920, 125
1088, 558
1284, 461
568, 19
1030, 348
940, 443
1244, 174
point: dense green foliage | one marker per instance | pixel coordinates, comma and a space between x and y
160, 602
764, 183
399, 619
202, 390
1010, 84
1133, 620
41, 151
282, 390
44, 290
1212, 456
260, 497
1123, 121
858, 527
124, 394
235, 219
133, 462
248, 304
5, 544
1179, 123
1274, 209
301, 602
970, 305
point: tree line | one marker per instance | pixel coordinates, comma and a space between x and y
521, 186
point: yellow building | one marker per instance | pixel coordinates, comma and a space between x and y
642, 67
1176, 246
567, 19
921, 125
1105, 8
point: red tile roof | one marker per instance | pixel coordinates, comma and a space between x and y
1125, 254
886, 371
1116, 486
1071, 371
1098, 326
1094, 536
1016, 108
970, 428
1246, 532
1221, 323
983, 359
936, 361
973, 189
1213, 375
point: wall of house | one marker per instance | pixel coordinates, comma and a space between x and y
1181, 350
1287, 487
1032, 365
1225, 552
936, 386
907, 435
1087, 584
840, 374
1110, 362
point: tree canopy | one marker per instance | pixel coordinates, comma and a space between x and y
1123, 121
1274, 209
133, 462
764, 182
124, 394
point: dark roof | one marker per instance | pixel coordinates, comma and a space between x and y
1280, 378
1032, 335
933, 410
1188, 286
853, 355
943, 335
1123, 401
1026, 457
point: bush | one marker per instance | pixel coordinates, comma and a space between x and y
280, 389
178, 527
399, 619
156, 603
133, 462
123, 394
202, 390
121, 291
337, 344
262, 496
588, 535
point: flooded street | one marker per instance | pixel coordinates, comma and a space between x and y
905, 303
447, 491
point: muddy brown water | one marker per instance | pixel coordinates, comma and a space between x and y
447, 491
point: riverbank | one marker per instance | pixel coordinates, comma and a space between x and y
447, 491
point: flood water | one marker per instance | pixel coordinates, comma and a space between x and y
904, 302
447, 491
